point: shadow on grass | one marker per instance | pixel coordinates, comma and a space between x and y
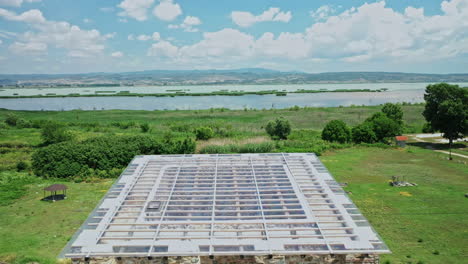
436, 146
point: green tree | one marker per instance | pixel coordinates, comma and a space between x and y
53, 132
446, 110
204, 133
278, 129
337, 131
384, 127
394, 112
364, 133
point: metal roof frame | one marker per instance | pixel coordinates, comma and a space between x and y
239, 204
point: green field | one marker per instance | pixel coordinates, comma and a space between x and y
423, 224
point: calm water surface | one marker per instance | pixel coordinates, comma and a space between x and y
206, 102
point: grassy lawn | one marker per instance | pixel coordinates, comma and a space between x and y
415, 222
423, 224
36, 231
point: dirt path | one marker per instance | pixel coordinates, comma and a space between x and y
419, 139
453, 154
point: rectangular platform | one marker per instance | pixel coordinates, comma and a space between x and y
244, 204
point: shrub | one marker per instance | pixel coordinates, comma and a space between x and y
53, 132
11, 119
204, 133
364, 133
336, 131
144, 127
384, 127
278, 129
70, 159
22, 123
22, 165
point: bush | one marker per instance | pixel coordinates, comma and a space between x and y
364, 133
384, 127
70, 159
336, 131
22, 123
204, 133
278, 129
11, 119
22, 165
144, 127
53, 132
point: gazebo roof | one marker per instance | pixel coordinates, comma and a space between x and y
56, 187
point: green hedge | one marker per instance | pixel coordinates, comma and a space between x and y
69, 159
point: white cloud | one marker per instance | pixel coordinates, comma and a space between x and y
163, 49
189, 24
155, 36
167, 10
87, 20
63, 35
136, 9
123, 20
34, 48
31, 16
247, 19
117, 54
1, 42
371, 32
322, 12
16, 3
143, 37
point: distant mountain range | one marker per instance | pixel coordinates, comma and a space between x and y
210, 77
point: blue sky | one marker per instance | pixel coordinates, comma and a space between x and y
70, 36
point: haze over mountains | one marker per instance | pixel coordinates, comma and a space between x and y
211, 77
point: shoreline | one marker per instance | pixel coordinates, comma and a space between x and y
175, 94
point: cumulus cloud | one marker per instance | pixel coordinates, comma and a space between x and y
247, 19
189, 24
59, 34
142, 37
369, 32
31, 16
167, 10
117, 54
136, 9
322, 12
35, 48
16, 3
163, 49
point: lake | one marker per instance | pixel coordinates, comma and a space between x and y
397, 92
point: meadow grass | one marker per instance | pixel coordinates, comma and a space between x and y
413, 221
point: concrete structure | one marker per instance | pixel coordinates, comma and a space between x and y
216, 208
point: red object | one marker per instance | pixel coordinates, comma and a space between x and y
401, 138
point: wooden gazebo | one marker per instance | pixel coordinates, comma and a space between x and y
53, 189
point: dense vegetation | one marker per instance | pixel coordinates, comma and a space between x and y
101, 156
98, 144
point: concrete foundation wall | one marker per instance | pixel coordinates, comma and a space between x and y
305, 259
